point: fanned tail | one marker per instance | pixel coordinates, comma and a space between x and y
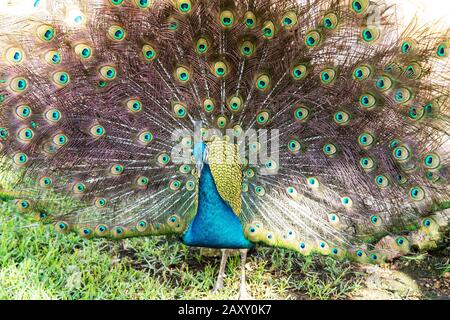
100, 102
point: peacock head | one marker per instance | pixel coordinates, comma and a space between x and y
200, 155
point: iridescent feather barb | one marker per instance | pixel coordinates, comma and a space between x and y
91, 98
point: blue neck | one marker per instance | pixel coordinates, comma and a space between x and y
215, 224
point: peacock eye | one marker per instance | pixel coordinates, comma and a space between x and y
23, 205
263, 82
432, 161
367, 101
299, 71
117, 169
149, 52
116, 2
271, 165
416, 113
45, 33
61, 78
222, 122
301, 114
342, 118
313, 182
401, 154
249, 173
227, 18
60, 139
174, 185
184, 169
294, 146
134, 105
25, 135
182, 74
362, 73
313, 39
62, 226
413, 71
202, 46
268, 30
327, 76
330, 150
83, 51
247, 49
116, 33
402, 95
53, 116
442, 50
18, 84
347, 202
190, 185
263, 117
145, 137
108, 73
4, 133
45, 182
97, 131
417, 193
220, 69
370, 34
408, 47
173, 24
359, 253
179, 110
367, 163
401, 241
384, 83
260, 191
289, 20
163, 159
142, 181
119, 231
20, 159
53, 57
100, 202
208, 105
366, 140
14, 55
235, 104
86, 232
292, 191
359, 6
183, 6
101, 230
330, 21
143, 4
79, 188
250, 20
382, 181
426, 223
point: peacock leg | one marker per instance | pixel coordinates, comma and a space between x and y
223, 263
243, 294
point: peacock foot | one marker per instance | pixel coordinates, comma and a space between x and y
243, 293
218, 286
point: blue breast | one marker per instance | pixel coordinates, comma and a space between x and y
215, 224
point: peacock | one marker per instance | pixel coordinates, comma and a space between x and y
317, 126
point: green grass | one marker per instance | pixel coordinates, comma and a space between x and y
38, 263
